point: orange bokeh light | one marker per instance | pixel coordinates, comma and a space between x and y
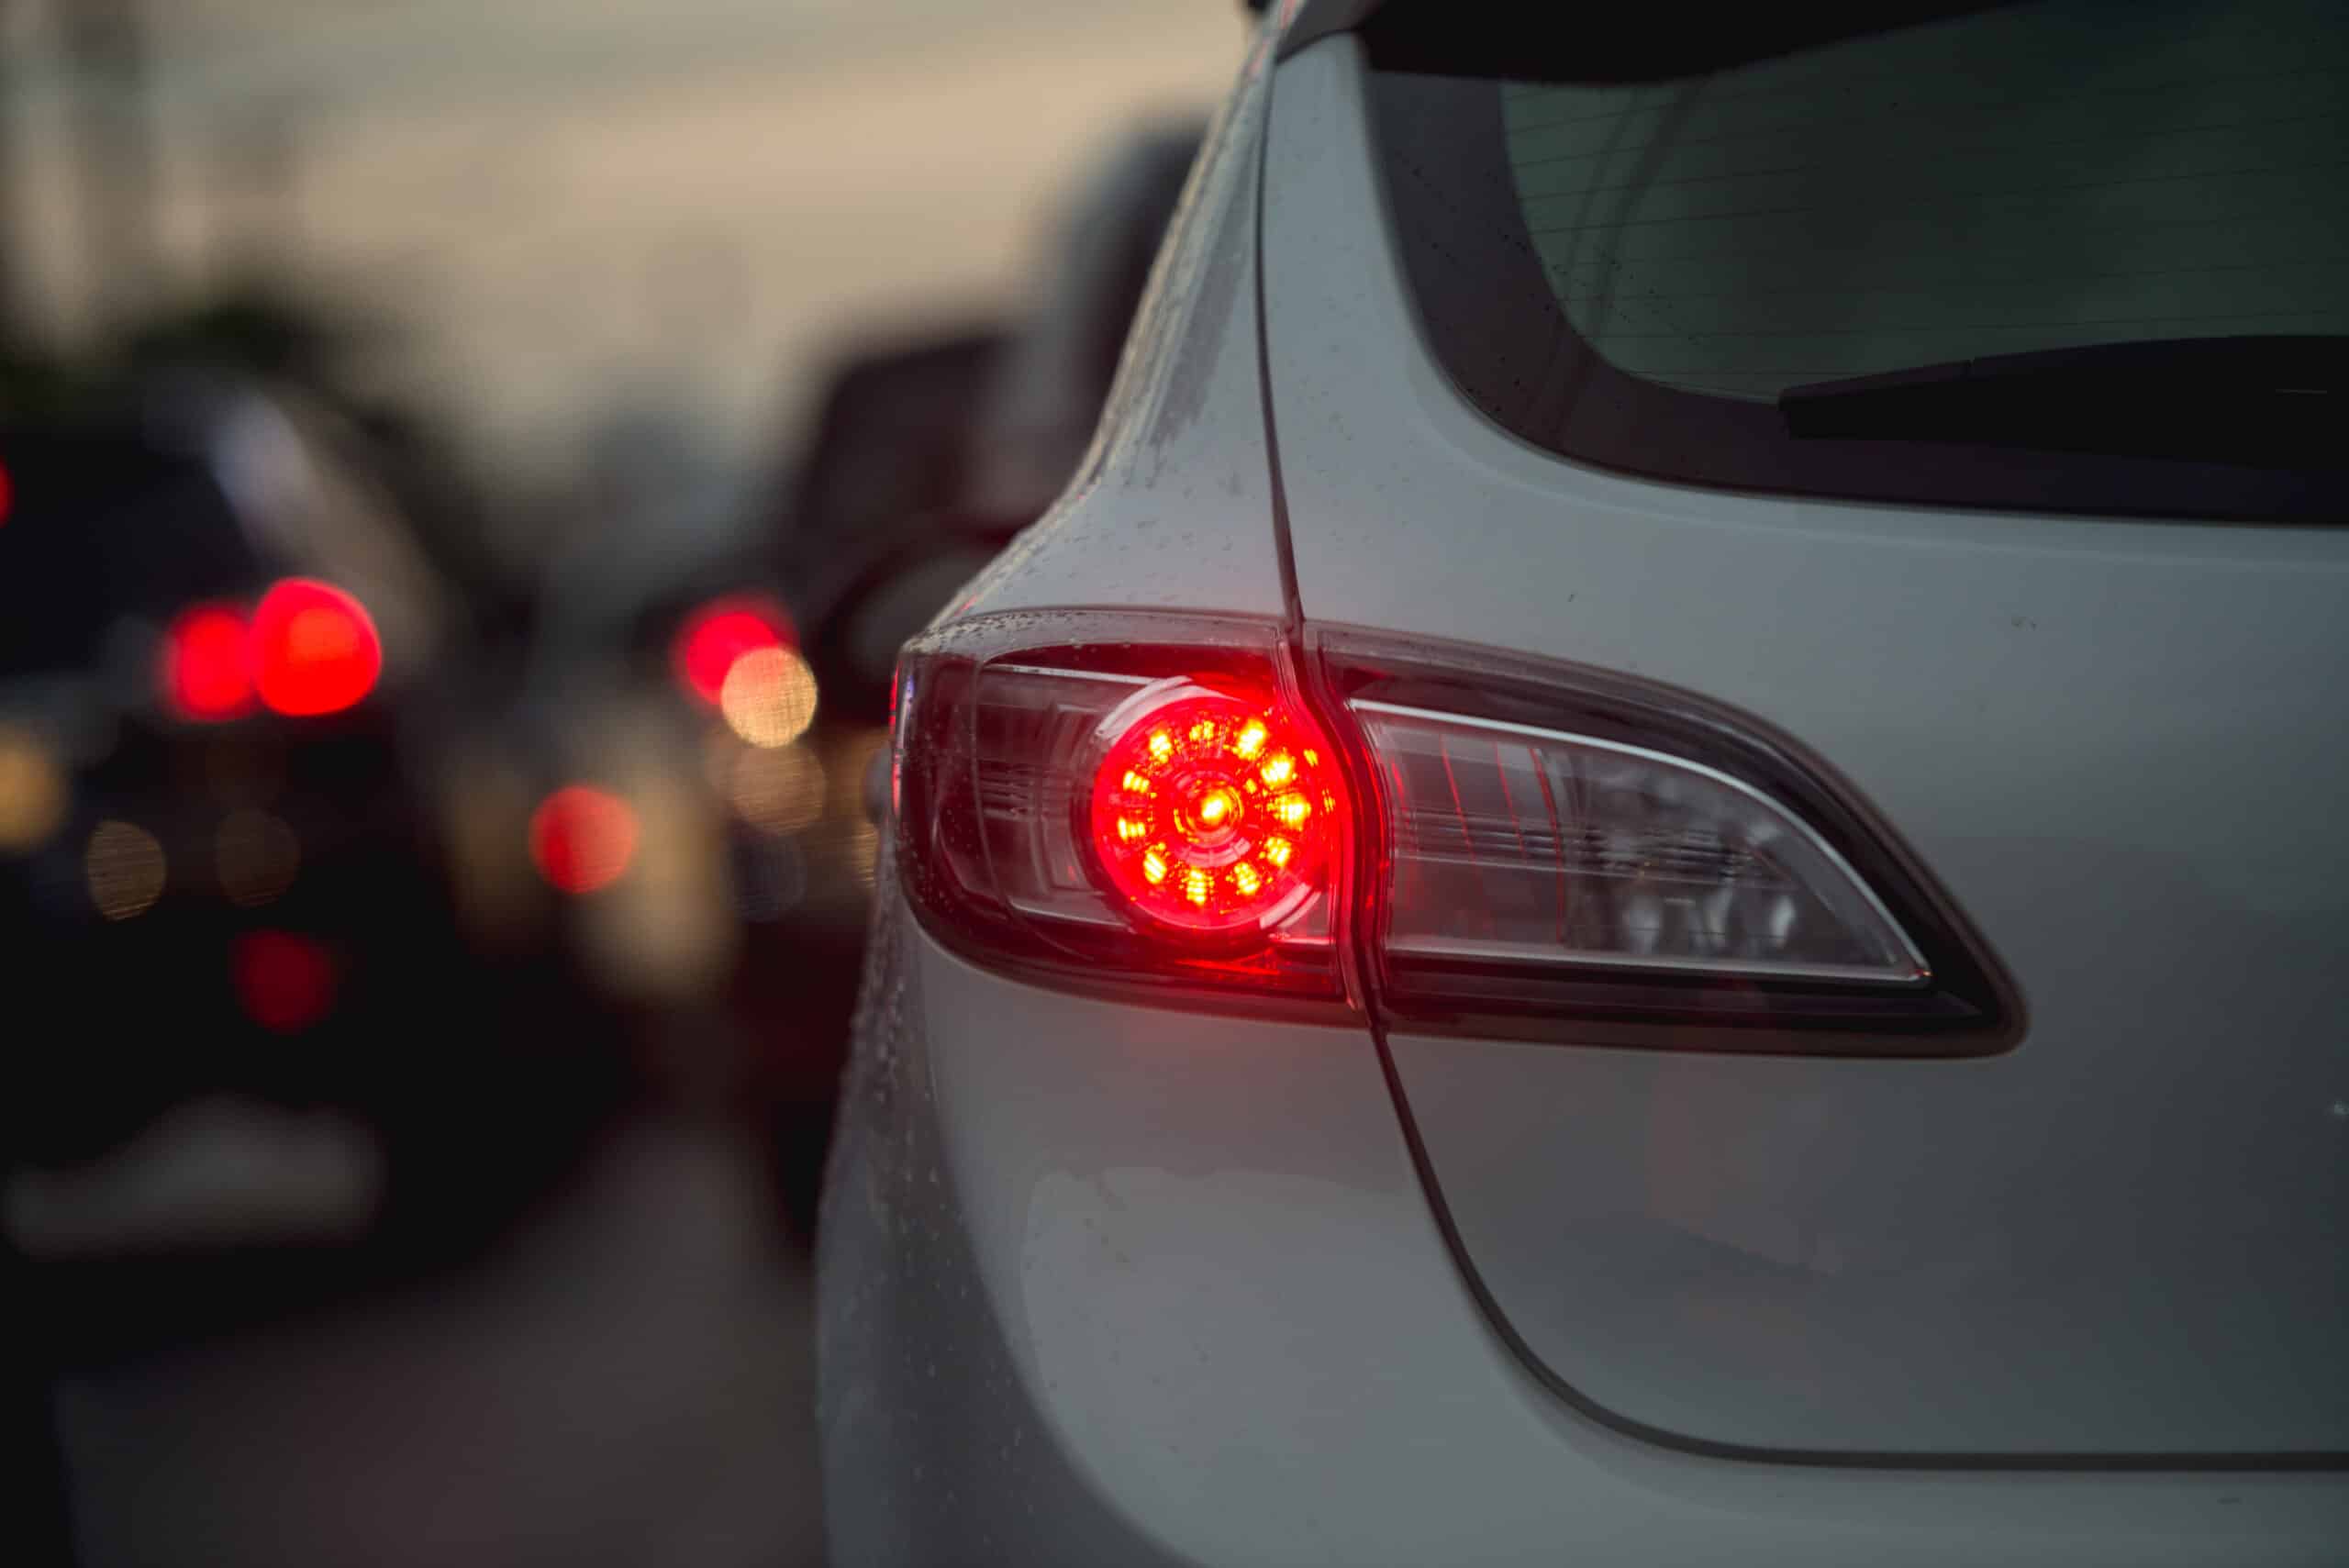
720, 633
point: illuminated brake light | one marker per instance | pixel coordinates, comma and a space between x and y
719, 634
769, 697
34, 789
314, 649
1535, 852
582, 838
207, 674
285, 982
1187, 827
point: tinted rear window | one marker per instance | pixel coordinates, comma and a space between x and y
2087, 257
102, 523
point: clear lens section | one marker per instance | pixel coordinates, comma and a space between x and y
1031, 776
1514, 846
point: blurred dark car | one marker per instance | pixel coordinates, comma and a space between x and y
228, 876
926, 457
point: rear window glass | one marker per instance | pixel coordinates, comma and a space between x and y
100, 523
2085, 257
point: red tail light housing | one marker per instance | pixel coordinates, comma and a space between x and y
1188, 806
308, 650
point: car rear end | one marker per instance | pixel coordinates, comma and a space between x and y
1810, 1040
225, 868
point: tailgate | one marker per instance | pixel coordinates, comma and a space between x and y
2119, 744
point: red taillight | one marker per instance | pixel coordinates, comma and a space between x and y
720, 633
285, 982
1102, 807
1211, 813
1524, 850
208, 664
582, 838
313, 648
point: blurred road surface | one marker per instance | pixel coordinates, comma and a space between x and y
626, 1380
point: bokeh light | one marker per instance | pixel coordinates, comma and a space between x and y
124, 865
716, 636
32, 790
314, 649
769, 697
208, 664
257, 857
285, 982
777, 791
1201, 817
582, 838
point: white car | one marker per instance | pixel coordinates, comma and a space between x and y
1652, 869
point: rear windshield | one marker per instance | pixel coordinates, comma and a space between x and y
98, 522
2085, 257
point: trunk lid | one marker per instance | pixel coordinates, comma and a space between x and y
2118, 743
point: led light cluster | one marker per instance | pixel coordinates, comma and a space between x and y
1210, 812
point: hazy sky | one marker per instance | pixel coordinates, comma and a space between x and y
582, 203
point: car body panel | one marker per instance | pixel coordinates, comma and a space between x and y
2117, 745
1106, 1282
1100, 1280
1172, 506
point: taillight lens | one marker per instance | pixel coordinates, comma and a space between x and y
309, 649
1104, 811
1525, 850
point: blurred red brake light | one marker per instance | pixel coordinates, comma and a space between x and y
314, 649
582, 838
1210, 813
1139, 800
208, 664
718, 633
1123, 809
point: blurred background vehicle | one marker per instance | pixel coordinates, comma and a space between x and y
763, 656
467, 468
923, 462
